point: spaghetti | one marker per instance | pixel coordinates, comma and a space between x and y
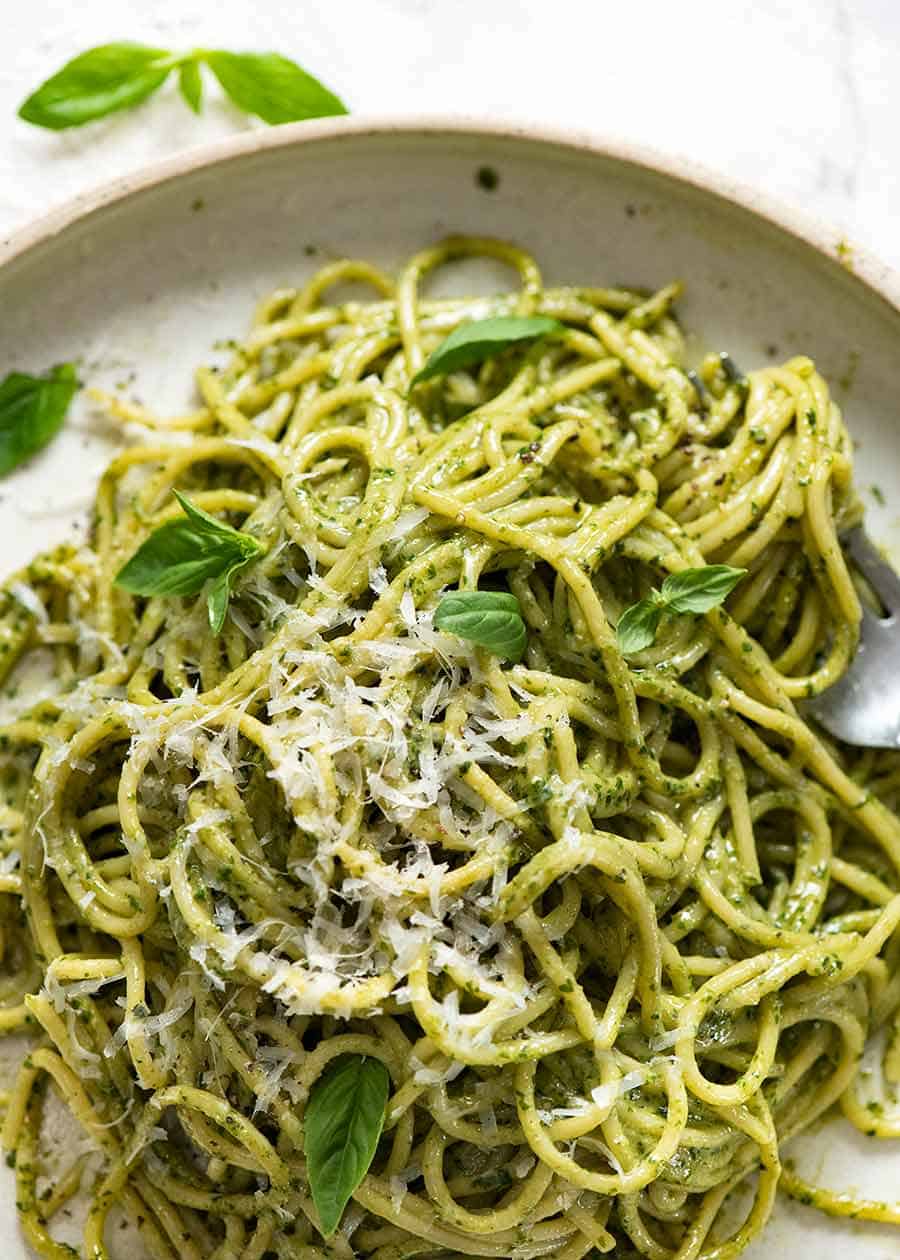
617, 927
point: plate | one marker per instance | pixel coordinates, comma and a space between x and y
139, 280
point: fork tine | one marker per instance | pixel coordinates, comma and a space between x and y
866, 556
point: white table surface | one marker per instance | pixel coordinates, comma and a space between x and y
798, 97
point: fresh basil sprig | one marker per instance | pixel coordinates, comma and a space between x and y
479, 339
185, 554
690, 591
342, 1125
117, 76
32, 409
492, 619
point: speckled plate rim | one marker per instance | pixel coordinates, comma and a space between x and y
870, 272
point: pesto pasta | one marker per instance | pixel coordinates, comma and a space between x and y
617, 926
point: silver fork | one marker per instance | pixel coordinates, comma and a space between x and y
863, 707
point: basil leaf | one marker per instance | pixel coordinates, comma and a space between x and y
272, 87
342, 1126
480, 339
699, 590
218, 596
638, 626
190, 85
183, 555
690, 591
246, 544
96, 83
174, 560
492, 619
32, 410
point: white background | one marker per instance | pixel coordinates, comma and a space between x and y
798, 97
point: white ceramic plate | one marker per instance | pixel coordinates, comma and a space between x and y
139, 280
